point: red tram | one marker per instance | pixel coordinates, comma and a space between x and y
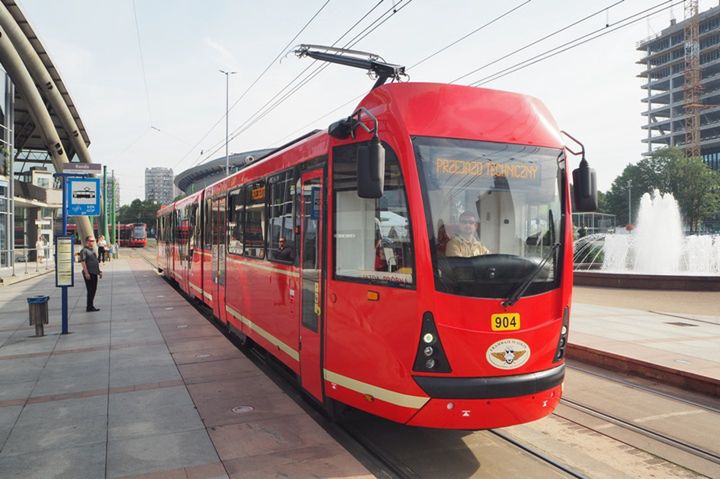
133, 235
432, 290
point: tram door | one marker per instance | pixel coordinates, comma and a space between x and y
311, 254
219, 220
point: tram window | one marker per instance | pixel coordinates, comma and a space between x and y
236, 216
255, 220
373, 238
195, 225
208, 225
282, 192
493, 214
171, 228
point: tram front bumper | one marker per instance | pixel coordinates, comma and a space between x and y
488, 402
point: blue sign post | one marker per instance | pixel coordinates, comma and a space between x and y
81, 197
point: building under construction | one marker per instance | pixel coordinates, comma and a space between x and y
682, 73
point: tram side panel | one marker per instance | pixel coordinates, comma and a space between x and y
373, 321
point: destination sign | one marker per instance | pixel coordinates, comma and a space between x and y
515, 170
258, 193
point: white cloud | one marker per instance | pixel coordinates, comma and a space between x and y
224, 57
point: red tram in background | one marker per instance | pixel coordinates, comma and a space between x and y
413, 261
133, 235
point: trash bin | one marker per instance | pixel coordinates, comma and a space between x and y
38, 313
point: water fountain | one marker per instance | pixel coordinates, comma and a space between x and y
655, 255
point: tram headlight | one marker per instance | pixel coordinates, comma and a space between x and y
562, 340
430, 354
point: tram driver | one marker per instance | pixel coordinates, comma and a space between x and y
465, 244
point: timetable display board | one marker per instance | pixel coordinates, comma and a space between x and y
64, 261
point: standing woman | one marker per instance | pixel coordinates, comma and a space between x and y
102, 248
40, 249
91, 271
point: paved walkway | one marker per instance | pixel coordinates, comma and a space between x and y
651, 327
145, 388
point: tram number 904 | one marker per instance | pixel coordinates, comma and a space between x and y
505, 322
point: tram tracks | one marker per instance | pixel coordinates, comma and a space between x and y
668, 444
546, 458
645, 431
381, 461
649, 389
386, 462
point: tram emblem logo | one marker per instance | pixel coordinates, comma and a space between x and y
508, 354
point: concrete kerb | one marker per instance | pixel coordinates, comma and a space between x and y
10, 280
673, 377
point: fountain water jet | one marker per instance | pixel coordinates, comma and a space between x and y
655, 251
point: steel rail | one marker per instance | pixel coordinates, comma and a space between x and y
642, 387
647, 432
539, 455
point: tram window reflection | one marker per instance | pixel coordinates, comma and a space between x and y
255, 220
373, 238
236, 216
282, 232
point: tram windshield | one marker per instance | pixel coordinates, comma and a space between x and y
493, 213
139, 231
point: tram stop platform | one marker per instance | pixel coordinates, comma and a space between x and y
144, 388
148, 388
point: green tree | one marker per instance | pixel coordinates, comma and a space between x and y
139, 211
617, 198
695, 186
696, 189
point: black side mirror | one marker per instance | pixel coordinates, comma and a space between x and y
585, 188
371, 169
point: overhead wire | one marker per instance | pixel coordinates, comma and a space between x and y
257, 79
490, 78
581, 40
215, 147
452, 44
275, 102
142, 63
539, 40
350, 44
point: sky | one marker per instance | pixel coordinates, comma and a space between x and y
144, 74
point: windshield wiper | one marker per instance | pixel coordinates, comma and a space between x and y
512, 299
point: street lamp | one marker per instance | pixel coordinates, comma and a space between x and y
629, 186
227, 109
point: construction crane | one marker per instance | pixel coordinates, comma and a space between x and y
692, 88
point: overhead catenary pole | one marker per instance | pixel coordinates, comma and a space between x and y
115, 208
105, 204
112, 210
227, 116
